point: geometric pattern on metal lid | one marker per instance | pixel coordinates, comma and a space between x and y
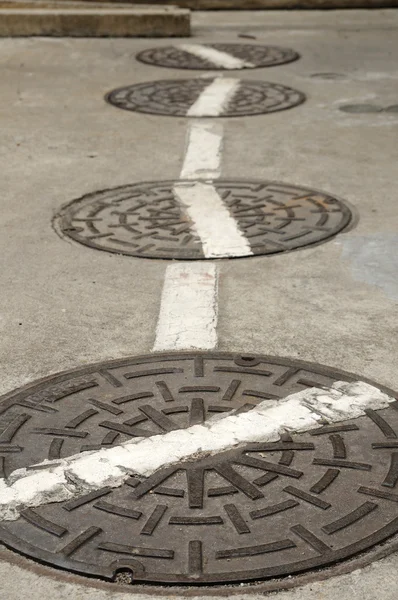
147, 220
175, 97
257, 56
262, 511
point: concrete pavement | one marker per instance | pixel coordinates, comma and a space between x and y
66, 305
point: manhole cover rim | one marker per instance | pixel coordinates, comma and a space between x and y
153, 590
365, 553
313, 568
294, 55
350, 221
301, 98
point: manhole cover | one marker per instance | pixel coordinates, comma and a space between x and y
263, 511
217, 56
182, 97
149, 219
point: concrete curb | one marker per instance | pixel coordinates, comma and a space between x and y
265, 4
168, 21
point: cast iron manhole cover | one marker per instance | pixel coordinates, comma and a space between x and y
177, 97
149, 220
265, 510
217, 56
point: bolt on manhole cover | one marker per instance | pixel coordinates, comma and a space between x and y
261, 511
194, 98
217, 56
156, 219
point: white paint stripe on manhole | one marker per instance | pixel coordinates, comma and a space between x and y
79, 474
215, 226
216, 57
203, 151
217, 229
188, 309
214, 99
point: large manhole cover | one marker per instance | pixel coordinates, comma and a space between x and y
205, 97
217, 56
265, 510
151, 219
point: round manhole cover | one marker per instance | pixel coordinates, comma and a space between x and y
261, 511
217, 56
163, 219
205, 97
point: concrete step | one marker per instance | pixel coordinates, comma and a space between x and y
91, 19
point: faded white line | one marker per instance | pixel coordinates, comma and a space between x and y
79, 474
188, 309
203, 151
214, 99
216, 228
216, 57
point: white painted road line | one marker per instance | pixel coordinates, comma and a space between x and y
215, 98
75, 476
188, 310
189, 303
203, 151
217, 229
216, 57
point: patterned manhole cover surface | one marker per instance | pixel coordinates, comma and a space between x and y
226, 56
148, 220
265, 510
176, 98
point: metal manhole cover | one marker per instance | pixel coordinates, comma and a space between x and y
149, 219
265, 510
180, 98
217, 56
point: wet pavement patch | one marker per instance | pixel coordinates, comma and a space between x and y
205, 97
217, 56
151, 220
369, 108
361, 108
261, 511
329, 76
